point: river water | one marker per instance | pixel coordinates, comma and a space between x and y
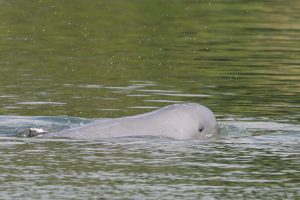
67, 63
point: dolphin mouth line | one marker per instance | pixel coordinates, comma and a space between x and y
209, 135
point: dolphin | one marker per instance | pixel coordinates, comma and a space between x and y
178, 121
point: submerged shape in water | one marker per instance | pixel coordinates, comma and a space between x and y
178, 121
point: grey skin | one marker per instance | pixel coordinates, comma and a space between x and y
178, 121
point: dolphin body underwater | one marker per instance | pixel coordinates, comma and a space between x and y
178, 121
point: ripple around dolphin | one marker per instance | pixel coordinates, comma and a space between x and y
233, 130
254, 131
13, 125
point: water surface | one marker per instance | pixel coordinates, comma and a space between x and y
66, 63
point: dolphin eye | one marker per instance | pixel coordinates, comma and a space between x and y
201, 129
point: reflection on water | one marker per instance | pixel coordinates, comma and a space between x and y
97, 59
84, 57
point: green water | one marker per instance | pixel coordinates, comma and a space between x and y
102, 59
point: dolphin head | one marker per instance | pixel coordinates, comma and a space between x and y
206, 125
195, 121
